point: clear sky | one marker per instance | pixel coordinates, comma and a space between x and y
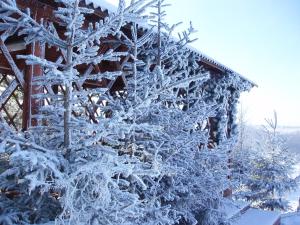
259, 39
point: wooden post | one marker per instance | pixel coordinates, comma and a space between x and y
31, 105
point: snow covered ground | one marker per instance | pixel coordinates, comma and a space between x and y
257, 217
293, 138
294, 196
234, 208
290, 219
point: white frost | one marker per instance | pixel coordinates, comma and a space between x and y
103, 4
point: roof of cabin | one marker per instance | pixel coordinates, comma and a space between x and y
106, 5
257, 216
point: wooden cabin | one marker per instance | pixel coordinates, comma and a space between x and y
16, 88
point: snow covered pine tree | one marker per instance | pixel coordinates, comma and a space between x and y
267, 176
86, 179
193, 177
136, 156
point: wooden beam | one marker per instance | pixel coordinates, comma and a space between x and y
16, 46
5, 66
46, 10
4, 69
211, 65
8, 92
12, 63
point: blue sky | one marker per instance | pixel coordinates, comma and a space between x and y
259, 39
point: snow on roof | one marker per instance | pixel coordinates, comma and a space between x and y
217, 64
103, 4
110, 7
290, 218
234, 208
257, 216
